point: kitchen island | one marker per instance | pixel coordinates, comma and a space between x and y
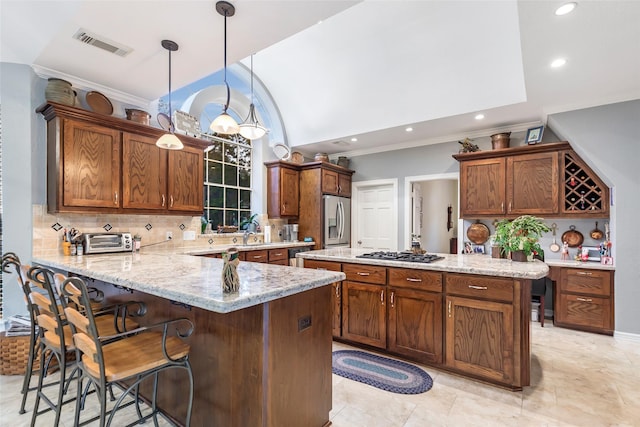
260, 357
469, 314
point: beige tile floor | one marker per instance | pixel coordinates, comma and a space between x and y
578, 379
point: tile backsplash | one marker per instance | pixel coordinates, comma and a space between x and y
49, 228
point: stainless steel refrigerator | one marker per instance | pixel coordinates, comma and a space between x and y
337, 221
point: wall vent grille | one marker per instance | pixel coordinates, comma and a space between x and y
101, 42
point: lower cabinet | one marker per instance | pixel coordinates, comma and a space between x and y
479, 338
583, 299
336, 296
364, 313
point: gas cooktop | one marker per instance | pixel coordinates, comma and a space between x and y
401, 256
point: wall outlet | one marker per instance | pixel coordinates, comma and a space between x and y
188, 235
169, 235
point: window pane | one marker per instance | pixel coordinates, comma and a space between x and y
245, 178
231, 199
231, 153
214, 172
216, 217
216, 153
244, 156
244, 215
245, 199
230, 175
215, 197
231, 217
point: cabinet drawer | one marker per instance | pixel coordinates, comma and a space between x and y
415, 279
257, 256
583, 281
278, 254
585, 310
480, 287
322, 265
365, 273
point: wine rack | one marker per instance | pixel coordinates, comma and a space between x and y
584, 193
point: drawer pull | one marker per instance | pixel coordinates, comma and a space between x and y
392, 298
449, 309
411, 279
481, 288
382, 297
359, 273
171, 201
585, 273
278, 254
584, 299
163, 199
116, 201
338, 290
257, 256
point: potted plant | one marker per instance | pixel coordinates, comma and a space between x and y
249, 224
520, 236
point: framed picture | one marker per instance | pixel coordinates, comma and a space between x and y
534, 135
478, 249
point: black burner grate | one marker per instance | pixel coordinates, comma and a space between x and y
401, 256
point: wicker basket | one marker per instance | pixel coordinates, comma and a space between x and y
14, 352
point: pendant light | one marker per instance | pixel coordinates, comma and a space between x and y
224, 123
250, 128
170, 141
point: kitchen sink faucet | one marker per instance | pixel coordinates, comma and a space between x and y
245, 237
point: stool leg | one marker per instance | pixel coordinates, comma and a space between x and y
542, 311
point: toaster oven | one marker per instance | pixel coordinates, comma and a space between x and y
96, 243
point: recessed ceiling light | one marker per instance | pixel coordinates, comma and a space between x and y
354, 139
566, 8
479, 116
558, 63
409, 129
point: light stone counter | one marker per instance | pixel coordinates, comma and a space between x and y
217, 249
191, 280
469, 264
579, 264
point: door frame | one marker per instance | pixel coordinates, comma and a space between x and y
408, 181
355, 187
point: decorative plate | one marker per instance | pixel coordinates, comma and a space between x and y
164, 121
99, 103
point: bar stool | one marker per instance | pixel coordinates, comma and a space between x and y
139, 354
538, 291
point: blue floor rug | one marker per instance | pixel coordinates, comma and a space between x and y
381, 372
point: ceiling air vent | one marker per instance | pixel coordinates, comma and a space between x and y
102, 42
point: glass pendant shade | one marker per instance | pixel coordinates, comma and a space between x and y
250, 128
169, 141
224, 124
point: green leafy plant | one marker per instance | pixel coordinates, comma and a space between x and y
244, 224
520, 234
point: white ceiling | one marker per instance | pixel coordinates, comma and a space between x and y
368, 70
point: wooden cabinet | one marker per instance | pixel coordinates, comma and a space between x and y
415, 315
98, 163
336, 183
364, 309
583, 300
283, 189
83, 166
544, 179
487, 327
336, 298
257, 256
482, 187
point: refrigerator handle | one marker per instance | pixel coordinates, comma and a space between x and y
341, 220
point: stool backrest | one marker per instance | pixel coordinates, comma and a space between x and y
47, 312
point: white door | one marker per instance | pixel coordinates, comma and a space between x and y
375, 215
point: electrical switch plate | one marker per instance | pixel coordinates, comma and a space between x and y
188, 235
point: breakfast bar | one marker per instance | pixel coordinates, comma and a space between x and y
260, 357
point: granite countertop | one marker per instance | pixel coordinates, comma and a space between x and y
578, 264
469, 263
191, 280
217, 249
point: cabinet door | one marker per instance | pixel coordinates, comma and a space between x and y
185, 181
479, 338
91, 166
415, 324
289, 190
144, 173
330, 182
482, 187
532, 184
336, 299
344, 185
364, 313
586, 311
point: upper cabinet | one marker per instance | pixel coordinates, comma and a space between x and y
98, 163
545, 179
336, 183
283, 189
